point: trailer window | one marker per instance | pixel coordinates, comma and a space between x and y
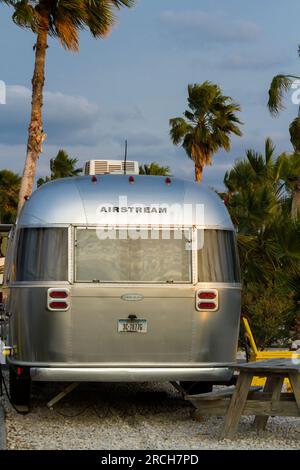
42, 255
153, 257
218, 258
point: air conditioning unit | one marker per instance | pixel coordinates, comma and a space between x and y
104, 167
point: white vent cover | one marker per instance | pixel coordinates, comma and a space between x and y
102, 167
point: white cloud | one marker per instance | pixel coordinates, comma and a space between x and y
254, 60
209, 27
65, 117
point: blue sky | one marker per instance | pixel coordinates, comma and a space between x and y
129, 85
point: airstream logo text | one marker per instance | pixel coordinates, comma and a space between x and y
133, 210
123, 213
155, 221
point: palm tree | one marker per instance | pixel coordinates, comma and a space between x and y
207, 124
280, 85
9, 189
259, 201
62, 166
61, 19
256, 169
154, 169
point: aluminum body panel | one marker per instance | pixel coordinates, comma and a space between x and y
76, 200
87, 333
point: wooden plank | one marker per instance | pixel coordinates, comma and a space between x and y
211, 396
237, 404
252, 408
295, 382
262, 396
217, 394
274, 386
270, 366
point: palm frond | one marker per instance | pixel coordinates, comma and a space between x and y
179, 128
65, 18
295, 134
279, 86
25, 16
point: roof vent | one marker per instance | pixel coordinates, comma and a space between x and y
104, 167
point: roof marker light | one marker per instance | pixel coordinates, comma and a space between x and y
168, 181
94, 179
131, 179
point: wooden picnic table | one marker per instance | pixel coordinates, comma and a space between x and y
247, 400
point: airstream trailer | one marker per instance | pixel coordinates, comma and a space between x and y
108, 279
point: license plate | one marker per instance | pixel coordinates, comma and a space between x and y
132, 326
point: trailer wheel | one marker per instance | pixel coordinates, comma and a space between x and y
196, 388
20, 386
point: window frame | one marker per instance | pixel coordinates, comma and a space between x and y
193, 273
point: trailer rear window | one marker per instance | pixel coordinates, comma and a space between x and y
144, 257
42, 255
218, 258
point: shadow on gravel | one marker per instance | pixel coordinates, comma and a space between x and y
122, 399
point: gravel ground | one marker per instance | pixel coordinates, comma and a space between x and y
131, 416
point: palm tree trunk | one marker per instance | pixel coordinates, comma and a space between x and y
36, 134
198, 173
296, 200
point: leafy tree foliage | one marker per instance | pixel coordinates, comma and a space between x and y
62, 166
9, 190
154, 169
259, 198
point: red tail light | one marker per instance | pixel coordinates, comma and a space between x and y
58, 300
207, 305
207, 300
58, 294
207, 295
58, 305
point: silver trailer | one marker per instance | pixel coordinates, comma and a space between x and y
121, 278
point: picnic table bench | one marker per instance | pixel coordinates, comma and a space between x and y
244, 400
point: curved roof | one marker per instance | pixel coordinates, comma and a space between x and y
80, 201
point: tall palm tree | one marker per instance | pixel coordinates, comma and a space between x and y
62, 166
280, 85
61, 19
207, 125
9, 189
154, 169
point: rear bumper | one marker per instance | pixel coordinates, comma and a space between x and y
130, 374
